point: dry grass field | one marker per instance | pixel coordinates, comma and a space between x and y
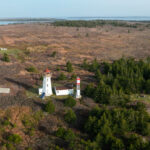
103, 43
33, 44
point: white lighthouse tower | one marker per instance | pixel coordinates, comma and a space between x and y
78, 93
46, 90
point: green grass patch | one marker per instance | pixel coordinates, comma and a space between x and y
32, 69
32, 92
60, 97
17, 53
144, 97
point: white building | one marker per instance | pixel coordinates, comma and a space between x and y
46, 90
4, 90
3, 49
63, 91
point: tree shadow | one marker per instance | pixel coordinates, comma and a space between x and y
22, 84
40, 104
82, 116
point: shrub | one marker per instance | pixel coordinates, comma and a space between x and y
5, 58
58, 68
53, 54
30, 131
38, 115
28, 148
26, 121
67, 135
73, 77
85, 65
27, 52
60, 132
31, 69
70, 101
6, 122
58, 148
87, 35
70, 116
50, 107
14, 138
61, 77
10, 146
41, 78
69, 66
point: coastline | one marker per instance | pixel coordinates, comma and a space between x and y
14, 21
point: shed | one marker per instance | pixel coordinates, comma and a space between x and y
3, 49
4, 90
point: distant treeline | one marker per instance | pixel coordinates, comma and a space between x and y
94, 23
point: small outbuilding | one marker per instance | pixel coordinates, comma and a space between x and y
4, 90
3, 49
61, 91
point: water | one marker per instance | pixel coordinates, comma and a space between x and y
5, 22
22, 22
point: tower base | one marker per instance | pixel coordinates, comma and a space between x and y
78, 96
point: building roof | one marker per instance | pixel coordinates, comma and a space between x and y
63, 88
47, 71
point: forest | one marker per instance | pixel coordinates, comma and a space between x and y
124, 76
94, 23
116, 123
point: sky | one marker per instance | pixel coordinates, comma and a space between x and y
73, 8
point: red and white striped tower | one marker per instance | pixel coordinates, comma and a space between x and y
78, 93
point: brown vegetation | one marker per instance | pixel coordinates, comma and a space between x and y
33, 45
36, 43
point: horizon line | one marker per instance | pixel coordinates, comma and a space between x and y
70, 17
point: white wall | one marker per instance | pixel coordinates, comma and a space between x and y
64, 92
47, 86
5, 90
40, 91
3, 49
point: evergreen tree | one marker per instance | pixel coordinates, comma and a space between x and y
85, 65
70, 101
70, 116
6, 57
147, 86
98, 75
102, 93
69, 66
89, 90
61, 76
50, 107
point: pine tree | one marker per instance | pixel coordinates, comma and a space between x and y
69, 66
6, 57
